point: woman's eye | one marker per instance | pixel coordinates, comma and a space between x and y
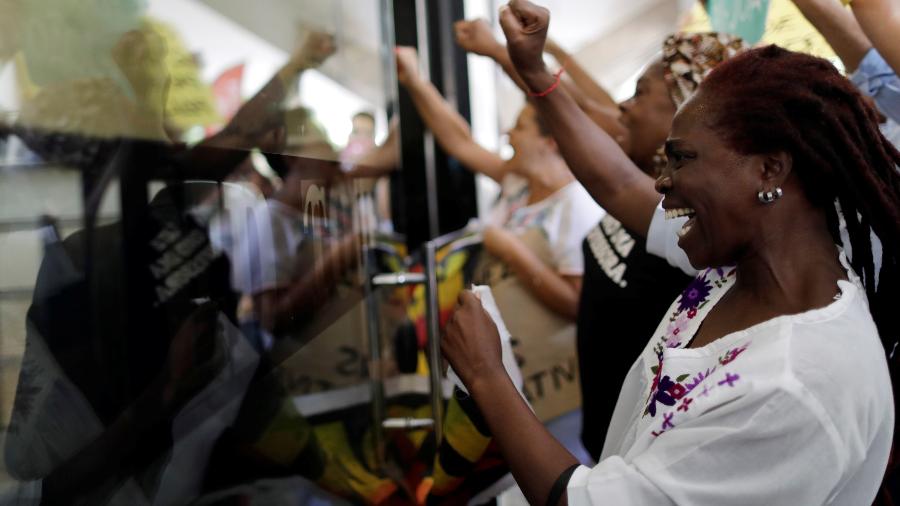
677, 159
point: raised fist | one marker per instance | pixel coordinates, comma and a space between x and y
476, 36
525, 26
316, 48
407, 64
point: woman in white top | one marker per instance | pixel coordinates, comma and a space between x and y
538, 191
766, 383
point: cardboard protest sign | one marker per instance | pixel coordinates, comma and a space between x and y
543, 341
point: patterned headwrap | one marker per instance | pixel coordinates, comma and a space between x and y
689, 57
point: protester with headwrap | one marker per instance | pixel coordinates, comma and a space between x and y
686, 59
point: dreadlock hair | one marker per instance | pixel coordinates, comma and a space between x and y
771, 99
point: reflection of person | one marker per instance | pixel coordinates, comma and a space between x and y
361, 157
273, 256
274, 247
771, 358
90, 420
538, 192
116, 408
362, 136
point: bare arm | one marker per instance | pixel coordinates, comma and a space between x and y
598, 162
559, 293
379, 160
216, 156
472, 346
880, 20
449, 128
475, 36
839, 28
279, 308
580, 76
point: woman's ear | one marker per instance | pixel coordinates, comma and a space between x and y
776, 167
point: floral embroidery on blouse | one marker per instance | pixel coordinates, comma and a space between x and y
675, 330
664, 389
670, 417
667, 391
695, 294
732, 354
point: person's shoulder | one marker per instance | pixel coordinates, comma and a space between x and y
576, 199
840, 335
512, 182
837, 359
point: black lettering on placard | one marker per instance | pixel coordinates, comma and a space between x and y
538, 379
352, 363
297, 384
564, 372
514, 342
560, 374
301, 384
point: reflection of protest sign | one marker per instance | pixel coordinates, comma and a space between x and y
227, 91
455, 262
543, 341
342, 420
337, 354
785, 26
189, 101
335, 358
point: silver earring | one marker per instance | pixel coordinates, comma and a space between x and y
770, 196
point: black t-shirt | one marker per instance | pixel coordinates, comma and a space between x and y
625, 292
108, 319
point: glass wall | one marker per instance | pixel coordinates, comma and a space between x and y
192, 206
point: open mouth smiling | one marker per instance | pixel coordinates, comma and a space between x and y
678, 212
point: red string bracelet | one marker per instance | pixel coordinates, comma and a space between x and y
552, 86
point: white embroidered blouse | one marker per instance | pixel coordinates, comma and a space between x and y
794, 410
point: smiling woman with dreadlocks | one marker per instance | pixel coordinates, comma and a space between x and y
766, 382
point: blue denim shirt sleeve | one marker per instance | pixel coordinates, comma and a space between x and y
875, 78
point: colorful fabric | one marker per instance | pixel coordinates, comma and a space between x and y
466, 437
689, 58
455, 263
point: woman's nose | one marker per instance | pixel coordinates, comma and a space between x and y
664, 182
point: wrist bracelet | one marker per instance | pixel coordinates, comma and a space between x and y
560, 485
552, 86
